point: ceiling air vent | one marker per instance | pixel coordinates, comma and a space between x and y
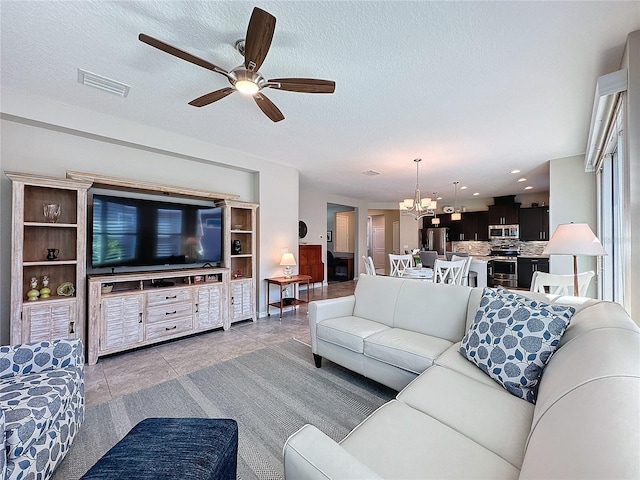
103, 83
371, 173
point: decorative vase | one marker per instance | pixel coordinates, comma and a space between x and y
45, 291
51, 212
34, 293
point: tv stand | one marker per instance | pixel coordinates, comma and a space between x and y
143, 308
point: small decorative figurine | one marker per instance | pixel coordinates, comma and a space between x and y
45, 291
33, 294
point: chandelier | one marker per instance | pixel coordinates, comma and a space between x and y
456, 215
418, 207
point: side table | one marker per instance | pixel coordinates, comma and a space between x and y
294, 280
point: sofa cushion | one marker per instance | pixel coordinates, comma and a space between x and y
452, 360
432, 308
513, 337
405, 349
32, 404
398, 441
488, 415
348, 332
376, 298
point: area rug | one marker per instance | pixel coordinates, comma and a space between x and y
271, 393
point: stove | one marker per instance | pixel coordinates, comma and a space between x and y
503, 267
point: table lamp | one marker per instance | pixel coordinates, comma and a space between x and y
574, 239
287, 261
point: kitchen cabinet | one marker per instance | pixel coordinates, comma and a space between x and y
475, 226
526, 267
534, 223
508, 214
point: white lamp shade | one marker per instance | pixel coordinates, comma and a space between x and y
408, 202
288, 259
434, 204
435, 221
456, 216
574, 239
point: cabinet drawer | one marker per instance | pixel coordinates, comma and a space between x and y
169, 311
170, 328
169, 296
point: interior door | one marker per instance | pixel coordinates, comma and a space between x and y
396, 238
378, 247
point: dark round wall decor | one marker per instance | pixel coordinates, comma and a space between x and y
302, 229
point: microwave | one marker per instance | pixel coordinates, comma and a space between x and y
501, 232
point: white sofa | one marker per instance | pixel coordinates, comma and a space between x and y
453, 420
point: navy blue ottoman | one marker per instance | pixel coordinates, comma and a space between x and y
172, 449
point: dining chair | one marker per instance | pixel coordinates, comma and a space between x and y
369, 268
428, 258
464, 280
448, 272
556, 284
399, 263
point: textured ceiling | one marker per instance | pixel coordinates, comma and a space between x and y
475, 89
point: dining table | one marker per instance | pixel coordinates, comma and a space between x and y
422, 273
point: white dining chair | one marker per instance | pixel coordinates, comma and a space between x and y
448, 272
555, 284
464, 280
369, 268
399, 263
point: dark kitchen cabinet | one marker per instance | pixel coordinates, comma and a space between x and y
534, 223
526, 267
475, 226
504, 214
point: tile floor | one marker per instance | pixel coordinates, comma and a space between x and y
127, 372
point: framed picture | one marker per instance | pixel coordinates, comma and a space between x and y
330, 236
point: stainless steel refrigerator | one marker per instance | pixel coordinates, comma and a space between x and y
436, 239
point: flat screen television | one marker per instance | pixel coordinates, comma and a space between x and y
141, 232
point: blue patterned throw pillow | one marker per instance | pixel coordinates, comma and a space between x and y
513, 337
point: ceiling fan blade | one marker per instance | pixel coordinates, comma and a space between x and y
176, 52
212, 97
304, 85
267, 106
259, 35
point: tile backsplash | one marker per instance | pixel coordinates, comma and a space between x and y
484, 248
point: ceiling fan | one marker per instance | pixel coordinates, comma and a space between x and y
246, 78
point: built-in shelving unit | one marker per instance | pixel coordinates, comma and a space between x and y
135, 309
60, 312
240, 257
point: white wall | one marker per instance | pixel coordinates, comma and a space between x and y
40, 136
313, 211
572, 201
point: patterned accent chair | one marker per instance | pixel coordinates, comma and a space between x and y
41, 406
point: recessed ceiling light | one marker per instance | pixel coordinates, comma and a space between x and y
522, 179
371, 173
463, 188
528, 187
102, 83
475, 194
515, 171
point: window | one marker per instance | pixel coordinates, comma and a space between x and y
613, 229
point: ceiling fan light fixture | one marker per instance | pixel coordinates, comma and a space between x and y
247, 87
